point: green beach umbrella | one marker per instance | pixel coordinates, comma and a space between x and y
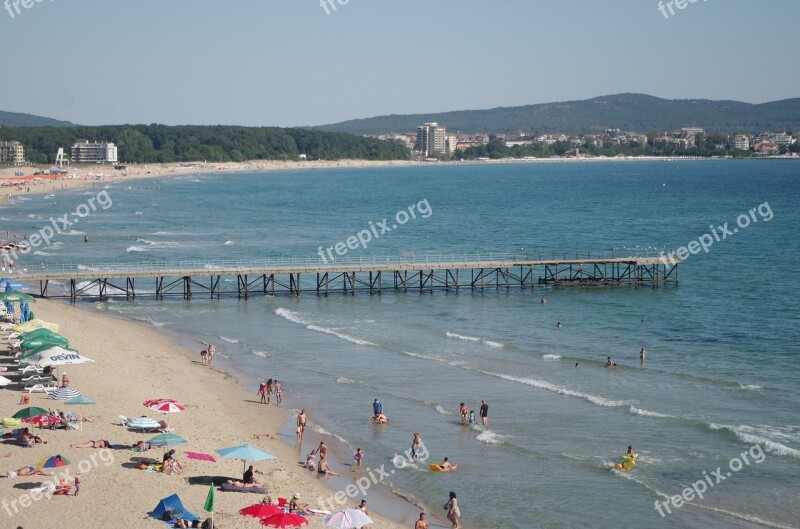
53, 339
80, 399
15, 296
37, 333
30, 411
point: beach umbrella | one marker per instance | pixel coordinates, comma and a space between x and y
10, 284
36, 333
15, 296
245, 453
30, 411
51, 339
200, 457
168, 407
64, 394
284, 520
34, 324
80, 399
42, 419
347, 519
143, 423
53, 462
57, 356
261, 510
154, 402
167, 439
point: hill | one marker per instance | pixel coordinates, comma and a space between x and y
631, 112
15, 119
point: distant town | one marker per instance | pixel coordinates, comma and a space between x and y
432, 141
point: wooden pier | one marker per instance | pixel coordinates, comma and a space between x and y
274, 277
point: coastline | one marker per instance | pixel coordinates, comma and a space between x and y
140, 363
88, 175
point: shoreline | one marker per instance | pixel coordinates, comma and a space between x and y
89, 175
154, 366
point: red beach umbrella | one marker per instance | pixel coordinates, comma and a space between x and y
168, 407
42, 419
284, 520
261, 510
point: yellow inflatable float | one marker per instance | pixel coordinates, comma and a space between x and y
626, 463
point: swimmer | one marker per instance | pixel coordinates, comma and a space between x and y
558, 325
577, 364
446, 465
380, 419
643, 355
610, 363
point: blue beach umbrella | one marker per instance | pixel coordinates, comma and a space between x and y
245, 453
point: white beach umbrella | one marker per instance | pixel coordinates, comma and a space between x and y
347, 519
57, 356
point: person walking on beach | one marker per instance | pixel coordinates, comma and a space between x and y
453, 512
301, 424
278, 388
484, 413
211, 351
422, 523
269, 391
358, 457
261, 389
377, 407
464, 412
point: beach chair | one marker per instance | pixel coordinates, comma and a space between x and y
37, 378
32, 368
44, 387
124, 420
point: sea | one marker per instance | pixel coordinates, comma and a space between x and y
713, 413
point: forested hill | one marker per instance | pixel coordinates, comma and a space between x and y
15, 119
162, 143
630, 112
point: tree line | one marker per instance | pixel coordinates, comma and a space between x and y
191, 143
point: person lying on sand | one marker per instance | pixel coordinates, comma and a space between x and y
141, 446
204, 524
92, 444
242, 484
26, 471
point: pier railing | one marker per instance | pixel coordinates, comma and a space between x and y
195, 265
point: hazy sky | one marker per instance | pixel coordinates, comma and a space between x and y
288, 62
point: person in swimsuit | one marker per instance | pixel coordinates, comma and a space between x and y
261, 389
358, 457
64, 380
325, 468
27, 471
92, 444
322, 450
380, 419
643, 355
447, 465
269, 390
311, 463
416, 446
278, 389
301, 424
464, 412
453, 512
422, 523
484, 413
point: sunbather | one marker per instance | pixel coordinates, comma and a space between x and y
26, 471
141, 446
92, 444
204, 524
242, 484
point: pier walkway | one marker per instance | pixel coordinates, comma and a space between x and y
452, 272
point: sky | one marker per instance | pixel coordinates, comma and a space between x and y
295, 62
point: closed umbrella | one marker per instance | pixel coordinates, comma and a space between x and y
347, 519
167, 439
51, 339
64, 394
36, 333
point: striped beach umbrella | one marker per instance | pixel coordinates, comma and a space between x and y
143, 423
64, 394
168, 407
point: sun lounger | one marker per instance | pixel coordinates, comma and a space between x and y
31, 368
37, 378
44, 388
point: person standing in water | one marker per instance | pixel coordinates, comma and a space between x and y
301, 424
416, 446
484, 413
643, 355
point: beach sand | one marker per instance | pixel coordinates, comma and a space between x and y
132, 364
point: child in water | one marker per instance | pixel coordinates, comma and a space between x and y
358, 457
471, 419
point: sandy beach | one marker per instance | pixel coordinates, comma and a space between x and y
87, 175
132, 364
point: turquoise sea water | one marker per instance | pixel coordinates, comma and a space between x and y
723, 357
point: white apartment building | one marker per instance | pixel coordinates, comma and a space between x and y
741, 142
84, 151
432, 140
12, 153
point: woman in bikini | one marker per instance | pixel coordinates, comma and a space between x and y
269, 390
92, 444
